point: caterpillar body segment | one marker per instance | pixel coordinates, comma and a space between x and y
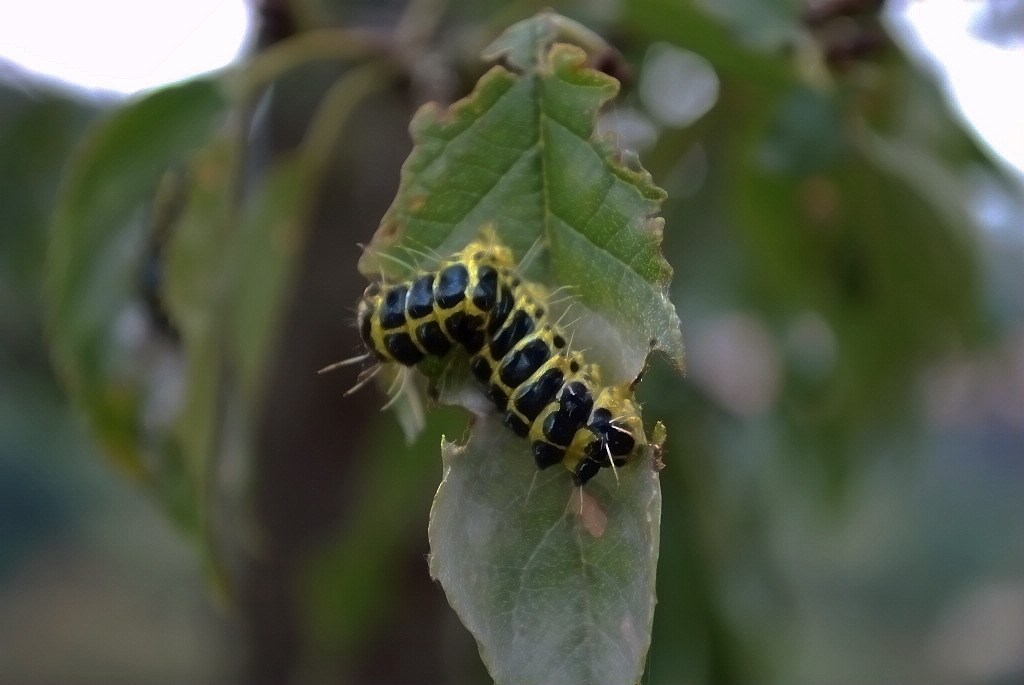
544, 391
404, 322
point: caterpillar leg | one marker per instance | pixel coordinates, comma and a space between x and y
347, 362
401, 379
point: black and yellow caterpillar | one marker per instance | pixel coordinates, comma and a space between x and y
545, 392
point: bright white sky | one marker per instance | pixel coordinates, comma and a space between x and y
982, 79
130, 45
121, 45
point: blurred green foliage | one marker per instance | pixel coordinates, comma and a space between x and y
841, 492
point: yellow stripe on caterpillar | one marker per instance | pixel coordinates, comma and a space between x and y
545, 392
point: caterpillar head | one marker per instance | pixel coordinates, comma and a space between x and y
487, 252
616, 433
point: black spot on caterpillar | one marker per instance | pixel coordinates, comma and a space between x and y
544, 391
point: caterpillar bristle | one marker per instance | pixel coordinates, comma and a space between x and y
425, 255
364, 378
561, 323
396, 260
346, 362
611, 462
564, 294
530, 255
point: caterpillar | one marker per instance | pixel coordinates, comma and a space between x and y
544, 391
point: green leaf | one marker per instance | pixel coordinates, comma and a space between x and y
555, 582
520, 153
551, 595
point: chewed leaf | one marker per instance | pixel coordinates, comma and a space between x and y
519, 153
523, 44
555, 582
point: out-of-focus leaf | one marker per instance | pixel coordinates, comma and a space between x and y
806, 135
883, 254
689, 25
271, 239
551, 593
766, 25
228, 272
197, 279
833, 212
97, 323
